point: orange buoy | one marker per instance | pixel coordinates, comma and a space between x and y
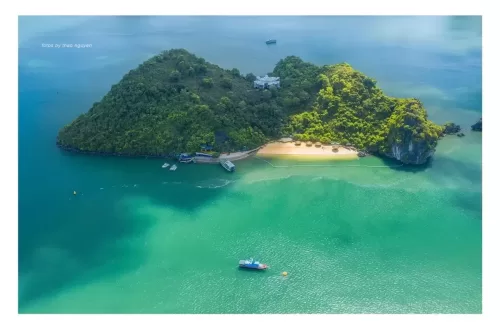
284, 273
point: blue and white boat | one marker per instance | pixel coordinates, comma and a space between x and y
186, 158
252, 264
228, 165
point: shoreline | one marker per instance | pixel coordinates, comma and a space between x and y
291, 151
199, 159
279, 149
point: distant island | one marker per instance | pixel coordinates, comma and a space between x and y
176, 103
478, 126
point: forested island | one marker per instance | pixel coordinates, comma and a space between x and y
175, 102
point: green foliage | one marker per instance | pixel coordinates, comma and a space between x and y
207, 82
299, 82
250, 77
451, 128
246, 137
350, 108
175, 76
174, 102
235, 72
226, 83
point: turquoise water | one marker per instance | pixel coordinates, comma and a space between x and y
364, 236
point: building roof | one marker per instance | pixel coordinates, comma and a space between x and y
267, 79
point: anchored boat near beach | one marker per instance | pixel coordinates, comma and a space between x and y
228, 165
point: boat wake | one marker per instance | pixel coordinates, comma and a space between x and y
266, 179
217, 183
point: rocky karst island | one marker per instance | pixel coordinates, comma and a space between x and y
176, 102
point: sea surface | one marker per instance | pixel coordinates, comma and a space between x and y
363, 236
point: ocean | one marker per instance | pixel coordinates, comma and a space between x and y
363, 236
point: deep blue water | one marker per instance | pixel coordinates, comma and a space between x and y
436, 59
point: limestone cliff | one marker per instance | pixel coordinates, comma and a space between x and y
412, 138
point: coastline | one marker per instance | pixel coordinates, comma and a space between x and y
199, 159
279, 149
291, 151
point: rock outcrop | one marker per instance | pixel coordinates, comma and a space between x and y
451, 128
409, 152
478, 126
412, 137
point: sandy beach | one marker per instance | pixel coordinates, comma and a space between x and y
289, 149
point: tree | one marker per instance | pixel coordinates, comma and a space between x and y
235, 72
200, 69
250, 77
207, 82
267, 95
175, 76
176, 101
226, 83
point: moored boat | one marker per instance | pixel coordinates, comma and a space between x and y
186, 158
165, 165
228, 165
173, 167
271, 41
252, 264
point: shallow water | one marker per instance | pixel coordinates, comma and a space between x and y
363, 236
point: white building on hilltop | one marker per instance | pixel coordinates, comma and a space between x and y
266, 82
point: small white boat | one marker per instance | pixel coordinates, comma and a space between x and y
173, 167
165, 165
227, 165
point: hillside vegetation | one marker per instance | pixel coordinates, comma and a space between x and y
175, 101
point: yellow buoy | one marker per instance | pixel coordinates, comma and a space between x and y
74, 192
284, 273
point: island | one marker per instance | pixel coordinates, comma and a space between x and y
478, 126
451, 128
177, 103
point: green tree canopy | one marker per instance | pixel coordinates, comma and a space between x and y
175, 101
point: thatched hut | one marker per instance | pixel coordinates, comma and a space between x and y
309, 144
298, 143
317, 144
335, 149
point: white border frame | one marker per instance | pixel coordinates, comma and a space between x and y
175, 323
